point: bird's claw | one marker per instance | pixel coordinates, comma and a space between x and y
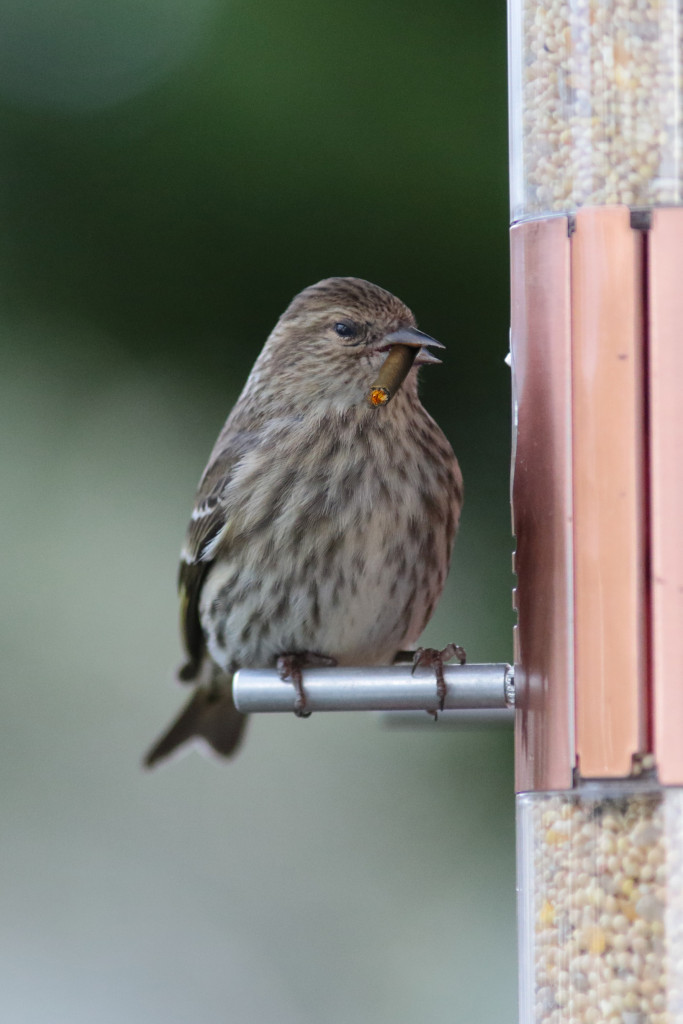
429, 657
290, 667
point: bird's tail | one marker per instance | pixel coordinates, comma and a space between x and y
209, 715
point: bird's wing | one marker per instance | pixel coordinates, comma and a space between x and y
209, 518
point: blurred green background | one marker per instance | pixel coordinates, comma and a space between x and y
171, 173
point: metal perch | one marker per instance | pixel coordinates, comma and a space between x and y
385, 688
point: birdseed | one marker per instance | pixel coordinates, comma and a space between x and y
596, 104
601, 907
393, 372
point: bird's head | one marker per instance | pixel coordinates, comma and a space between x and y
329, 345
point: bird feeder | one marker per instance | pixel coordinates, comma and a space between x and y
596, 125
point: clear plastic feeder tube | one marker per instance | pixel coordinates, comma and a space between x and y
601, 905
596, 99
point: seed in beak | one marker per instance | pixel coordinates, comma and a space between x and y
393, 372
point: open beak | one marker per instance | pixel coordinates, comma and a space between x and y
414, 339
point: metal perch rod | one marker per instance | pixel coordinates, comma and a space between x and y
386, 688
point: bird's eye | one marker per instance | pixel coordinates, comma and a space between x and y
345, 329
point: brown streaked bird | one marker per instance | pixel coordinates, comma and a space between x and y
323, 525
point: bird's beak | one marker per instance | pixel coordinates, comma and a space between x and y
415, 339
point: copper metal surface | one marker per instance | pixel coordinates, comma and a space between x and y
541, 498
666, 458
609, 532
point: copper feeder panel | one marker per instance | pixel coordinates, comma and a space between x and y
665, 301
542, 503
597, 494
608, 423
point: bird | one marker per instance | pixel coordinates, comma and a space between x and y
323, 524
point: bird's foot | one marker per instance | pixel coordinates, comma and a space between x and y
429, 657
290, 667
